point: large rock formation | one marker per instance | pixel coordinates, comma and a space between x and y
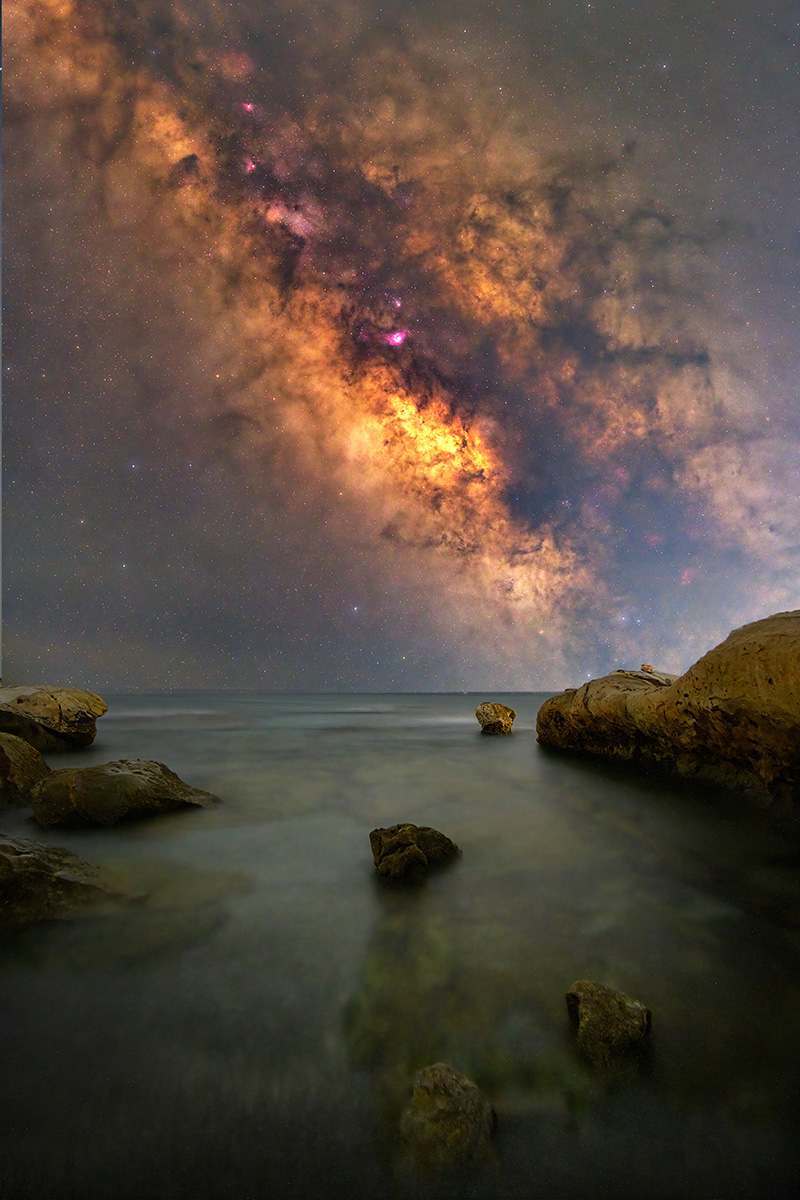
50, 719
448, 1119
495, 718
608, 1022
39, 882
408, 850
734, 717
20, 768
106, 794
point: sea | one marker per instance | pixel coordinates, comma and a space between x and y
250, 1026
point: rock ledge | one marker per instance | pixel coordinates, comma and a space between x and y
733, 717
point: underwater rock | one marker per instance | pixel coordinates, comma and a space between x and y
21, 766
495, 718
608, 1021
403, 850
40, 882
50, 719
733, 717
448, 1119
106, 794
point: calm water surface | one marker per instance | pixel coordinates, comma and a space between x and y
252, 1028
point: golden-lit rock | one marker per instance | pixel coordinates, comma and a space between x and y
733, 717
50, 719
403, 850
448, 1119
608, 1022
112, 792
38, 883
21, 766
495, 718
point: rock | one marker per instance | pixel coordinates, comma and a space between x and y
106, 794
40, 882
733, 717
21, 766
495, 718
608, 1021
50, 719
403, 850
448, 1120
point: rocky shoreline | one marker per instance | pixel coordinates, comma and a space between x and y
733, 718
38, 882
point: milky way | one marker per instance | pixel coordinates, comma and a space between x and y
330, 366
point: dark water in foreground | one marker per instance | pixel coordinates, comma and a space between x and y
253, 1028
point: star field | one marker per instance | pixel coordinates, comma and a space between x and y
350, 348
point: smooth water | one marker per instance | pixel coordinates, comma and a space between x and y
252, 1028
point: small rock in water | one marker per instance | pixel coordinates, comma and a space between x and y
407, 849
21, 766
495, 718
608, 1021
106, 794
51, 719
448, 1119
40, 882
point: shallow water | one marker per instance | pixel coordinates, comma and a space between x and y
252, 1028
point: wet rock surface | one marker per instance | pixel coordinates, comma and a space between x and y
448, 1120
608, 1022
409, 850
733, 717
51, 719
21, 766
40, 882
495, 718
112, 792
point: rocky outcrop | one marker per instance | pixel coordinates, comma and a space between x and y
448, 1119
495, 718
20, 768
608, 1022
733, 717
408, 850
50, 719
39, 882
112, 792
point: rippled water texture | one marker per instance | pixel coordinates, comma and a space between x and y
252, 1029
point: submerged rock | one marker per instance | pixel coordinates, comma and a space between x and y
21, 766
495, 718
106, 794
448, 1119
733, 717
40, 882
403, 850
608, 1022
50, 719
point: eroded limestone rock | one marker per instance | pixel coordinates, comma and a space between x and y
408, 850
108, 793
21, 766
40, 882
448, 1120
733, 717
50, 719
495, 718
609, 1023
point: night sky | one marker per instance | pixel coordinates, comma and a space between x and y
352, 346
